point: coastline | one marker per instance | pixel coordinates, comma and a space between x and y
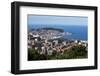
78, 32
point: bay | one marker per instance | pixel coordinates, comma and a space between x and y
79, 32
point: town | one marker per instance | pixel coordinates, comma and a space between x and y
50, 41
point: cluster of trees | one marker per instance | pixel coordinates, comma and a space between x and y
34, 55
75, 52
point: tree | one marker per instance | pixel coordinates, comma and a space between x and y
77, 52
34, 55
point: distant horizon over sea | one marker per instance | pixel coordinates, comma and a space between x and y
79, 32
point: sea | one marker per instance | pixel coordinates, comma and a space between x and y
78, 32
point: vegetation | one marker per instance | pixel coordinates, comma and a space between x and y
75, 52
57, 29
34, 55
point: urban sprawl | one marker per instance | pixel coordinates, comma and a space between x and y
48, 41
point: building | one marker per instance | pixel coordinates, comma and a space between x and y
46, 41
36, 35
43, 50
49, 52
64, 42
55, 42
29, 46
33, 42
76, 41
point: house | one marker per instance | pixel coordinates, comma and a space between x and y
76, 41
49, 52
46, 41
43, 50
29, 46
64, 42
55, 42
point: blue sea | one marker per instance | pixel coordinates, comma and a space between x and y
79, 32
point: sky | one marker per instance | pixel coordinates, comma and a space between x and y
57, 20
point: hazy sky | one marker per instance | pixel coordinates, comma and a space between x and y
57, 20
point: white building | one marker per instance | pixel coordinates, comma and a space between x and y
33, 42
36, 48
76, 41
56, 42
46, 41
43, 50
79, 43
36, 39
64, 43
29, 46
30, 33
29, 42
36, 35
49, 52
